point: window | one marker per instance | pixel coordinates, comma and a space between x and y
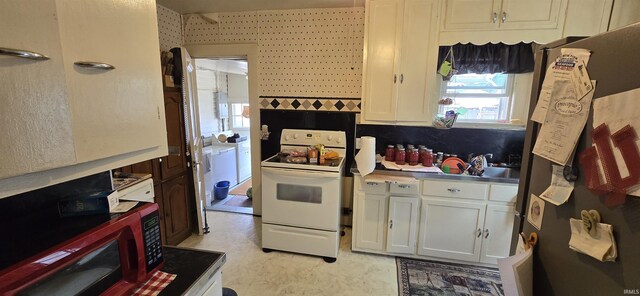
487, 97
237, 118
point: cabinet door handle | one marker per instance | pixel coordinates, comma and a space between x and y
486, 233
401, 78
395, 77
390, 224
495, 17
504, 17
404, 186
95, 65
454, 190
479, 232
373, 183
25, 54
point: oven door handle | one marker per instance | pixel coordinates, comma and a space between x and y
302, 173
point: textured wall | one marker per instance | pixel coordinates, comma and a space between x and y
169, 28
302, 52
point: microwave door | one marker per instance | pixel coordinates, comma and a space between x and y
90, 275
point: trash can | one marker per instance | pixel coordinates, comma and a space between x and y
221, 190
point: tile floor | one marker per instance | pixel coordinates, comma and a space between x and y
249, 271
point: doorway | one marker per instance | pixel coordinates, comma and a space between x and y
223, 97
229, 94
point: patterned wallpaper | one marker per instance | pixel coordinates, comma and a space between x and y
169, 28
303, 53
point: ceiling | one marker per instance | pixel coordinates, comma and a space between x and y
203, 6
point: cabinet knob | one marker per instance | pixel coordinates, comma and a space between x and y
495, 17
486, 233
453, 190
479, 232
504, 17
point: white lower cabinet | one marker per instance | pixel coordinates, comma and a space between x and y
451, 229
496, 234
403, 224
370, 214
472, 222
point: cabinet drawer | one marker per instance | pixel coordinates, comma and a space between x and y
455, 189
404, 188
505, 193
142, 191
374, 186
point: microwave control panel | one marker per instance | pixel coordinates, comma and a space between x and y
152, 242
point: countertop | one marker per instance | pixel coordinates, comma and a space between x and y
192, 267
381, 170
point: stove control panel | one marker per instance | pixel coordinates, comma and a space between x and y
313, 137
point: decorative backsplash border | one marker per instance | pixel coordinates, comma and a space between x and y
310, 104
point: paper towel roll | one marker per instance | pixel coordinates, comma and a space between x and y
366, 158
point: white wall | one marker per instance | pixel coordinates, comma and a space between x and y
238, 88
206, 80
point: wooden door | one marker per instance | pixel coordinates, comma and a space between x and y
451, 229
157, 190
370, 221
176, 162
402, 224
35, 119
472, 14
175, 195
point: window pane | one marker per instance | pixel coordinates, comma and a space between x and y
485, 96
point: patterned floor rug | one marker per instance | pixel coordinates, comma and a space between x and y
418, 277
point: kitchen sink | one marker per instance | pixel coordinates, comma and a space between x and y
500, 172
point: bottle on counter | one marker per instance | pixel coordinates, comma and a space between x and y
414, 156
400, 156
390, 153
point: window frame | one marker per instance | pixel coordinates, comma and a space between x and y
232, 115
508, 109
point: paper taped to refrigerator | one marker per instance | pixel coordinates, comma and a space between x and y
563, 123
560, 189
560, 69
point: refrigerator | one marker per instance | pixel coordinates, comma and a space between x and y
558, 270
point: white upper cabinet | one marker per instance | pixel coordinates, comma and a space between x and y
538, 14
471, 14
72, 109
35, 120
508, 21
114, 110
400, 51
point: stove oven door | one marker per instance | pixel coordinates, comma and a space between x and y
301, 198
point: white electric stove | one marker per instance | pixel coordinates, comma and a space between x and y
301, 202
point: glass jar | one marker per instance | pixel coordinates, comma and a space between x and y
390, 153
413, 156
400, 156
409, 148
439, 158
428, 158
421, 153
